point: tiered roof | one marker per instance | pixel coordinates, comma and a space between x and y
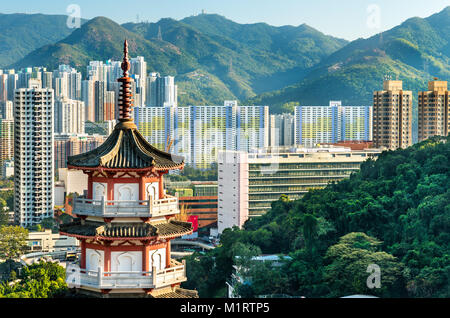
138, 231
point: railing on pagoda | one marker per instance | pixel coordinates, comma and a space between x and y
136, 208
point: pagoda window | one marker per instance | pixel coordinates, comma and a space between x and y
152, 191
99, 191
126, 192
94, 259
158, 259
126, 261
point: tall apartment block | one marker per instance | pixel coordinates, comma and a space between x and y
6, 141
392, 116
33, 154
331, 124
69, 116
434, 109
200, 132
282, 130
161, 91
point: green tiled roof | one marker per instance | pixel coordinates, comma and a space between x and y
171, 228
126, 148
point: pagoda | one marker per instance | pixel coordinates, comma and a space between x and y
125, 221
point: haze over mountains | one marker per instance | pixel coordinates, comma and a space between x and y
215, 58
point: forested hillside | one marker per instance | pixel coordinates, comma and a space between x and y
394, 213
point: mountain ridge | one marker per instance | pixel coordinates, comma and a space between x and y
227, 68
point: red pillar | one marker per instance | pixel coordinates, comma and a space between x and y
107, 266
110, 190
142, 189
83, 254
161, 187
145, 258
168, 251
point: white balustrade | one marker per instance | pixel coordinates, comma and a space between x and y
136, 208
119, 280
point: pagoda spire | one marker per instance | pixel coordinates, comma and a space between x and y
125, 96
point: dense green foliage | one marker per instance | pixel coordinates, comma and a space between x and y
415, 52
395, 213
41, 280
13, 241
23, 33
210, 67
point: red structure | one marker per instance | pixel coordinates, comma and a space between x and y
126, 221
354, 145
203, 207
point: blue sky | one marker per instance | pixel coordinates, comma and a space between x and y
347, 19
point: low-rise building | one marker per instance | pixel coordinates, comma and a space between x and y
47, 241
250, 182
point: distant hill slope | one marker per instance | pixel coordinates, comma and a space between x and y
414, 51
209, 67
20, 34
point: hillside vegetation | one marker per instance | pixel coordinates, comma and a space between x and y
23, 33
394, 213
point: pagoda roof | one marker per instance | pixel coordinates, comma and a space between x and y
103, 230
175, 293
126, 148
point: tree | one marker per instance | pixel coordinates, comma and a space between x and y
13, 241
3, 212
349, 260
42, 280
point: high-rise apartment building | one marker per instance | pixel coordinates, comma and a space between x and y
6, 140
88, 97
67, 82
6, 110
3, 87
33, 154
110, 106
282, 130
434, 109
69, 116
100, 98
13, 80
392, 116
139, 71
200, 132
330, 124
161, 91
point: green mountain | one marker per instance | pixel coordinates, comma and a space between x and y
414, 52
23, 33
209, 67
102, 39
